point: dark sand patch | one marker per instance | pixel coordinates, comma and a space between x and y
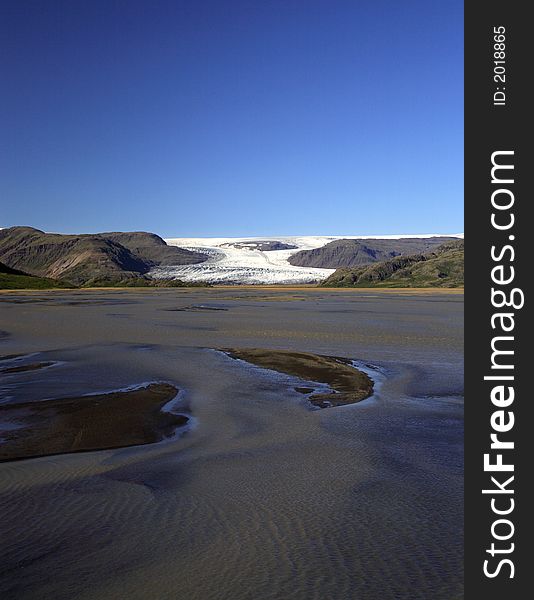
22, 299
55, 301
187, 327
30, 367
259, 298
94, 302
195, 308
349, 385
11, 356
304, 390
97, 422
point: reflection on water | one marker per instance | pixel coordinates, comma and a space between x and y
264, 498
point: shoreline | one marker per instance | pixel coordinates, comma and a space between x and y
274, 287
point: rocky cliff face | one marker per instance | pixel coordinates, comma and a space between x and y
443, 267
354, 252
81, 259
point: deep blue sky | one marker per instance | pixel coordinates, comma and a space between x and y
232, 117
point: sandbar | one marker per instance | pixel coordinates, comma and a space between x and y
94, 422
349, 385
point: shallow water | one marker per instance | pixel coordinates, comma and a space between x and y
264, 497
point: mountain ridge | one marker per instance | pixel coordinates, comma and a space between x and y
82, 258
142, 258
355, 252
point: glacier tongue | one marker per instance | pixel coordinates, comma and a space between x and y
236, 261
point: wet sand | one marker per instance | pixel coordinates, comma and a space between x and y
22, 368
97, 422
348, 384
263, 497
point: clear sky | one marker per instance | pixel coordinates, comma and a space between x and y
232, 117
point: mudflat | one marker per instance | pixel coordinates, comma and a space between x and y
349, 385
262, 495
27, 367
96, 422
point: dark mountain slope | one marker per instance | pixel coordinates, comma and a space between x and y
354, 253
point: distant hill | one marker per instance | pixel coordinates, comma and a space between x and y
443, 267
13, 279
358, 252
82, 259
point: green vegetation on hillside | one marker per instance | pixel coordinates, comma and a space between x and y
13, 279
442, 268
142, 282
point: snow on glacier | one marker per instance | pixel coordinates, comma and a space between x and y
227, 264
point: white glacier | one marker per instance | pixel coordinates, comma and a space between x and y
244, 265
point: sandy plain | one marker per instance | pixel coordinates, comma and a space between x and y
262, 496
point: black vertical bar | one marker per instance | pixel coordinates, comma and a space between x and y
497, 118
